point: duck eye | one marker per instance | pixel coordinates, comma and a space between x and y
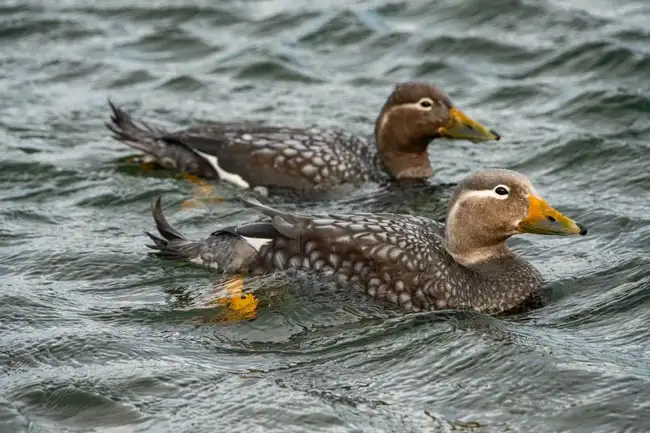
501, 190
425, 103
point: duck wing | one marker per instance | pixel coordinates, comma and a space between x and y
280, 157
405, 242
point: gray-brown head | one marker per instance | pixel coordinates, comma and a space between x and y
412, 116
490, 206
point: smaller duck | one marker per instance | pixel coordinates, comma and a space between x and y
254, 155
414, 262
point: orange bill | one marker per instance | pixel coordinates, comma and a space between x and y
542, 219
463, 127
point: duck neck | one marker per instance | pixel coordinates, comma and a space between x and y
402, 155
469, 238
494, 278
478, 255
401, 165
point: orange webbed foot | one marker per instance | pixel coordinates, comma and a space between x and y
203, 192
236, 304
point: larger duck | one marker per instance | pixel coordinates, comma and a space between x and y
302, 159
414, 262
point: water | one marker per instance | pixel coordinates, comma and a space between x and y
98, 336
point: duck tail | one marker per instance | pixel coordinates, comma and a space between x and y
167, 149
142, 137
224, 250
172, 244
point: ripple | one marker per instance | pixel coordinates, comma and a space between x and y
251, 63
389, 40
592, 155
282, 24
57, 29
99, 336
624, 295
66, 71
183, 83
614, 106
23, 311
80, 403
515, 95
276, 70
633, 35
344, 28
130, 79
598, 58
169, 45
472, 12
477, 46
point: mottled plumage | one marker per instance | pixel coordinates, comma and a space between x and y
250, 155
411, 261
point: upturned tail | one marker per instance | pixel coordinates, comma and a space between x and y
224, 250
142, 137
162, 148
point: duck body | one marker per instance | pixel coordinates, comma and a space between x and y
407, 260
253, 155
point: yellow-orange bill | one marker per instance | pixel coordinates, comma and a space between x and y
463, 127
542, 219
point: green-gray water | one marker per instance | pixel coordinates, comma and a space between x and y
96, 335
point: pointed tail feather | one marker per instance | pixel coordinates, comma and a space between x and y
167, 149
223, 250
172, 244
163, 226
141, 137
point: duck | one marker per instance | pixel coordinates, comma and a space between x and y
410, 261
257, 156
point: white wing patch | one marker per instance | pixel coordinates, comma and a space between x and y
256, 243
232, 178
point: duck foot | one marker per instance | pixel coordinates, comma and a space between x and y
203, 192
236, 305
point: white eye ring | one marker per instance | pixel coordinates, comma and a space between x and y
425, 104
501, 191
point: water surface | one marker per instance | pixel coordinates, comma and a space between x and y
98, 336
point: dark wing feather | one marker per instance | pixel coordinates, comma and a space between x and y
408, 242
282, 157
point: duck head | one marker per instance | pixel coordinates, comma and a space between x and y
413, 115
490, 206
